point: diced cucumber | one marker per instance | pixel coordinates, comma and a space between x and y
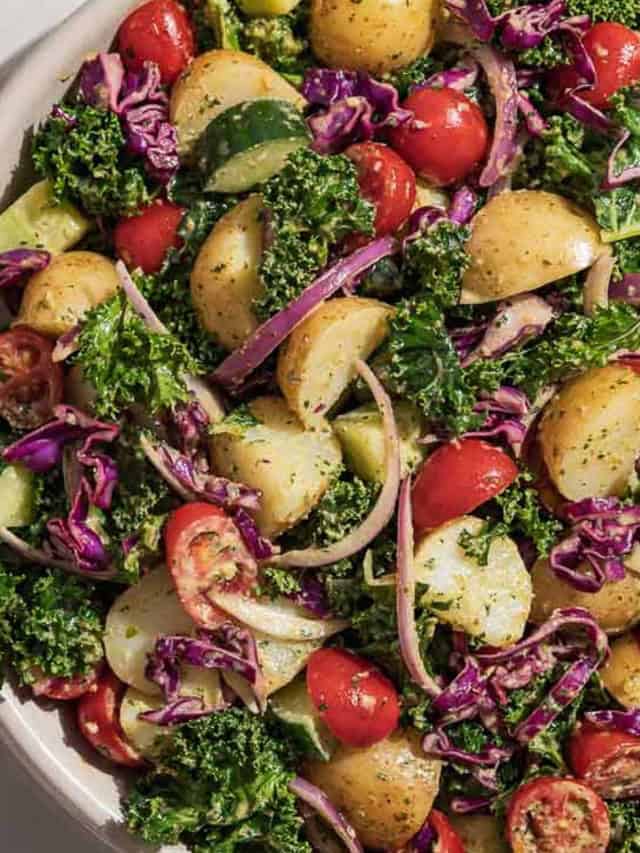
218, 14
294, 708
267, 8
145, 738
17, 496
249, 143
361, 436
37, 222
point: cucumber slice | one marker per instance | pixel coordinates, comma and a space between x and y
249, 143
145, 738
361, 436
294, 708
17, 497
36, 221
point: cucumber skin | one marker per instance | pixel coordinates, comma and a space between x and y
17, 497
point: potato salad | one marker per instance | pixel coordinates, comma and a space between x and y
320, 423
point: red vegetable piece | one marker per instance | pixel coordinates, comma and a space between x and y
448, 138
606, 759
457, 478
205, 551
30, 383
143, 240
556, 814
159, 31
448, 839
65, 689
356, 701
99, 721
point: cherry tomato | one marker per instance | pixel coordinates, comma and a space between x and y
30, 383
206, 552
457, 478
448, 138
387, 182
560, 815
143, 240
65, 689
615, 52
99, 721
448, 840
160, 32
606, 759
630, 361
356, 701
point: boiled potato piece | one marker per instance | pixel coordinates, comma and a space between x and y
429, 196
621, 672
615, 607
372, 35
282, 661
385, 791
225, 280
317, 362
480, 833
291, 466
489, 602
590, 433
57, 298
217, 80
267, 8
523, 240
144, 737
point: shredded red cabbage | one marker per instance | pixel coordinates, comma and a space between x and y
313, 597
613, 178
624, 721
462, 78
626, 290
73, 538
17, 264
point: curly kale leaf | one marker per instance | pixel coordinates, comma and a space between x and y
311, 205
618, 214
221, 784
624, 12
280, 42
87, 163
50, 624
624, 816
435, 263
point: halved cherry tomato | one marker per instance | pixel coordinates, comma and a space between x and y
615, 52
99, 721
559, 815
606, 759
387, 182
66, 689
160, 32
448, 138
356, 701
630, 361
448, 840
205, 551
30, 383
458, 478
144, 239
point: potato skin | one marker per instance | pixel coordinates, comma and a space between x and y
615, 607
589, 433
523, 240
372, 35
479, 833
621, 672
56, 299
217, 80
317, 362
225, 280
385, 791
291, 466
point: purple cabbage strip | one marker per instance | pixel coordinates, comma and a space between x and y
462, 78
629, 173
506, 417
461, 210
17, 264
463, 206
191, 424
424, 839
182, 710
516, 321
525, 27
624, 721
626, 290
536, 125
259, 547
74, 540
476, 14
101, 80
313, 597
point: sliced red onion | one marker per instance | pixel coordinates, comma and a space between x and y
536, 125
623, 721
16, 264
629, 173
236, 367
517, 320
66, 344
586, 113
476, 14
507, 399
501, 75
438, 745
320, 803
139, 304
382, 512
627, 290
463, 205
596, 287
462, 696
405, 597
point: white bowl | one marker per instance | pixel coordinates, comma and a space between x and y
44, 738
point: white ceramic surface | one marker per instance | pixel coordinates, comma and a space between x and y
44, 739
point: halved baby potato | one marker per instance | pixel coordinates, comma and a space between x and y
225, 278
291, 466
317, 362
523, 240
621, 672
590, 433
217, 80
489, 602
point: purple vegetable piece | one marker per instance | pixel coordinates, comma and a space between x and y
313, 597
59, 112
626, 290
461, 697
461, 210
507, 399
461, 78
257, 545
180, 711
527, 26
463, 206
424, 839
191, 425
476, 14
466, 339
623, 721
320, 803
17, 264
536, 125
629, 173
482, 765
520, 671
74, 540
507, 416
101, 81
517, 320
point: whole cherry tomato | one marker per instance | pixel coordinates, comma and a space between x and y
99, 721
30, 382
387, 182
160, 32
606, 759
65, 689
355, 700
144, 239
615, 52
457, 478
562, 815
446, 140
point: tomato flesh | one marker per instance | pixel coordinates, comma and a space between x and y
99, 721
65, 689
448, 839
606, 759
448, 138
457, 478
144, 240
556, 814
160, 32
30, 382
355, 700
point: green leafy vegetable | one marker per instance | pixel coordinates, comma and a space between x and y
618, 214
413, 75
237, 422
436, 262
624, 816
621, 11
280, 43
